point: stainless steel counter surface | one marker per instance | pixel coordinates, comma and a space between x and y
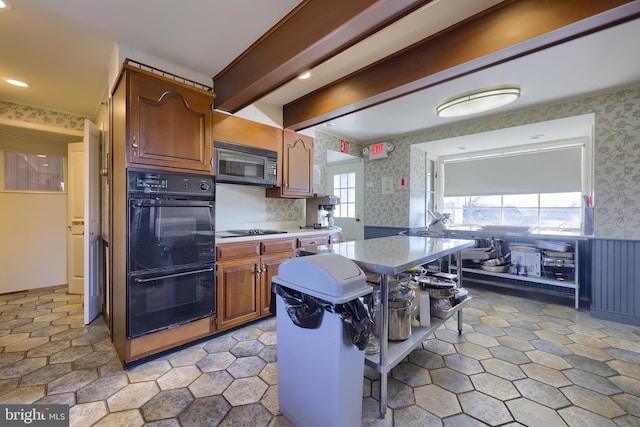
290, 232
536, 233
394, 254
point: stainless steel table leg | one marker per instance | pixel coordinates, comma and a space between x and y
460, 321
384, 344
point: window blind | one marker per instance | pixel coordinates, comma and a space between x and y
549, 171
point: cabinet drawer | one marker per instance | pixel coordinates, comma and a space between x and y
277, 245
316, 240
237, 250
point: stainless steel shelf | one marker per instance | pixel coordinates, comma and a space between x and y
398, 350
535, 279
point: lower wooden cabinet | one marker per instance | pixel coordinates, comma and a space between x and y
270, 265
317, 240
237, 292
244, 274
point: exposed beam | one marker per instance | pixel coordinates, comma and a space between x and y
313, 32
505, 32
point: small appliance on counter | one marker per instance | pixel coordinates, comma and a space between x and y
320, 211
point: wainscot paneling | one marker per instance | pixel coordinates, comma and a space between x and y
616, 280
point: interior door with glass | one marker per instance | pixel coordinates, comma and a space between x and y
346, 180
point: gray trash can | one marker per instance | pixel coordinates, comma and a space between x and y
320, 369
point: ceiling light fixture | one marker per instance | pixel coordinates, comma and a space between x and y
16, 82
4, 4
478, 102
305, 75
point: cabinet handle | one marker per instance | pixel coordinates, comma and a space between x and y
134, 146
258, 270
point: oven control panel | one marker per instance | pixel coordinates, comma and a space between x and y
154, 182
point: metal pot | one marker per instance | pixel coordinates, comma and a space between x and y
400, 309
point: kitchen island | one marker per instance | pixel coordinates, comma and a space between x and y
389, 256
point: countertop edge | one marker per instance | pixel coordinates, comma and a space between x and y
289, 233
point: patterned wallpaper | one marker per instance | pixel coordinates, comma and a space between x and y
616, 162
40, 116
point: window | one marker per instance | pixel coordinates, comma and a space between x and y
431, 186
33, 172
537, 186
344, 186
546, 210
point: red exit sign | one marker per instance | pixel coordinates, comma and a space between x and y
377, 150
344, 146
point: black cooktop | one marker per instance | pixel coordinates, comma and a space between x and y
248, 232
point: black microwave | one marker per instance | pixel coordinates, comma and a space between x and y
241, 164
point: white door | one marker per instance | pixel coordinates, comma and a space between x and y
91, 244
75, 218
352, 219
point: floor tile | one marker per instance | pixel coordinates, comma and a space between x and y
593, 401
494, 386
485, 408
541, 393
530, 413
437, 400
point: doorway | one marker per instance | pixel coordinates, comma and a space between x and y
346, 180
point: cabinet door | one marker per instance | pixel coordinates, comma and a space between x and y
297, 165
169, 124
319, 239
237, 292
269, 269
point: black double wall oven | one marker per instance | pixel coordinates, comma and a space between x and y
170, 251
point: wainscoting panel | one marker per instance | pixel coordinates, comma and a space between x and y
616, 280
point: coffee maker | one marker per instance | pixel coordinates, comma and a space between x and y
320, 211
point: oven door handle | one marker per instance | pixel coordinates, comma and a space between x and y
169, 276
172, 204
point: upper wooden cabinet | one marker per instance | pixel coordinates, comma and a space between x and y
297, 167
168, 123
241, 131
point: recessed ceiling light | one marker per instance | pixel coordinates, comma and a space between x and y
478, 102
305, 75
16, 82
4, 4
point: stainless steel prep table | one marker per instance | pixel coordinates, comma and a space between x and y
388, 256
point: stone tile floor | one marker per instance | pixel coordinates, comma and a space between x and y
519, 361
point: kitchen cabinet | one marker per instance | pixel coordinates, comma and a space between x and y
167, 123
244, 273
241, 131
315, 240
156, 123
297, 167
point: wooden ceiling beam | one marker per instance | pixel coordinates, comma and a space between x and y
505, 32
313, 32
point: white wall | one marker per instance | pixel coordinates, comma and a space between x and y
32, 241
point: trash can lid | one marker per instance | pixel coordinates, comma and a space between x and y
329, 277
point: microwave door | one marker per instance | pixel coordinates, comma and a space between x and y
236, 167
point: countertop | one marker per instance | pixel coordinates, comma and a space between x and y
289, 232
536, 233
394, 254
